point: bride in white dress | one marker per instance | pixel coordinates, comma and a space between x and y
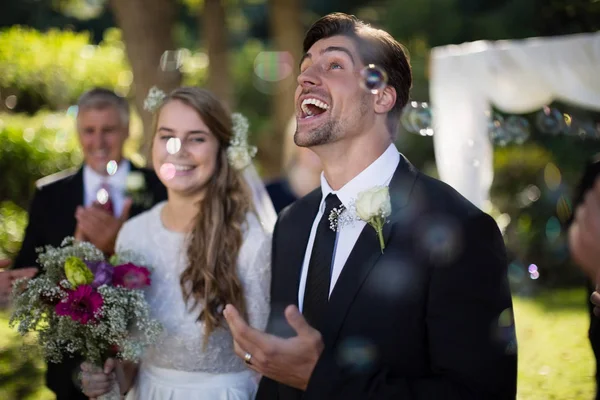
208, 219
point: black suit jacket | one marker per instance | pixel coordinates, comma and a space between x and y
51, 219
424, 320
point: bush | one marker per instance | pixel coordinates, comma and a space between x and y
33, 147
533, 185
52, 69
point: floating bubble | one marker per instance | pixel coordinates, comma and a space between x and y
550, 121
125, 78
11, 102
171, 60
506, 318
496, 130
167, 171
517, 128
553, 229
357, 354
564, 209
583, 129
504, 331
533, 193
534, 275
552, 176
173, 145
72, 111
87, 51
273, 66
532, 268
393, 278
102, 196
419, 118
29, 134
516, 273
439, 239
373, 79
112, 167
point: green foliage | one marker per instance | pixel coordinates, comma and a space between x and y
52, 69
33, 147
533, 185
30, 148
21, 367
13, 220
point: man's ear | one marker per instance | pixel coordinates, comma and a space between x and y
385, 100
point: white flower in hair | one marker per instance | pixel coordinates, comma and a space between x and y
154, 99
239, 152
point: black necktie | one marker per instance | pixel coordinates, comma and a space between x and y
316, 293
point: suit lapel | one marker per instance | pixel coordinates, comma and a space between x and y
293, 254
72, 199
367, 251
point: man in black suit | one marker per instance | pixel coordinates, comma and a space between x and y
91, 203
429, 316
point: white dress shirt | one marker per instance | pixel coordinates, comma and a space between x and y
117, 185
379, 173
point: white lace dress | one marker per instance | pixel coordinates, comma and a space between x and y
177, 367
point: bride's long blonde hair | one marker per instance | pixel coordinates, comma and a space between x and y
211, 277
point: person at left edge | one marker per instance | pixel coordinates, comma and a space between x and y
69, 203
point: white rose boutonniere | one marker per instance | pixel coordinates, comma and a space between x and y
373, 206
135, 188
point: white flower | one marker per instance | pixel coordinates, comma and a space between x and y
154, 99
135, 181
374, 202
238, 157
373, 206
239, 152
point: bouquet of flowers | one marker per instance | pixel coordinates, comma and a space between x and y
82, 304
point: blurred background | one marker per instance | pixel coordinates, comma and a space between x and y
247, 51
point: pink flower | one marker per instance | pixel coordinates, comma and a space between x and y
131, 276
81, 305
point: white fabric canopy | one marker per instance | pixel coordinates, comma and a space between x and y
517, 77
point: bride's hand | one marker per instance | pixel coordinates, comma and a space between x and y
96, 382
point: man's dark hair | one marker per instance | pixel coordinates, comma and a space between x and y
375, 46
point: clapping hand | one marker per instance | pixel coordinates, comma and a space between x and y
100, 228
289, 361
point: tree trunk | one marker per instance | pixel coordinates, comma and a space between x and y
147, 27
214, 26
285, 23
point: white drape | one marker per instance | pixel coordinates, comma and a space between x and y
517, 77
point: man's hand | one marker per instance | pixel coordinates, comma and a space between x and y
99, 227
584, 233
288, 361
7, 278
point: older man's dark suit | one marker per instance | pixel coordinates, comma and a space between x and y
430, 318
51, 219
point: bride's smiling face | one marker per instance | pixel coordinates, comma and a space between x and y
184, 150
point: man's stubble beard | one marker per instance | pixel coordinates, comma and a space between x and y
330, 130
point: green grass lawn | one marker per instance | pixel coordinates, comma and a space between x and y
555, 360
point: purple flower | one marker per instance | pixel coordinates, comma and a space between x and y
131, 276
82, 304
102, 271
